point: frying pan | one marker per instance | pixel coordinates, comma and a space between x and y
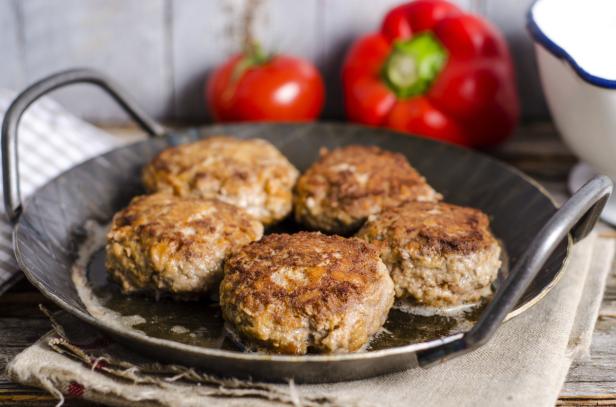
536, 235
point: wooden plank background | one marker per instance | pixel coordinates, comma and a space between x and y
162, 50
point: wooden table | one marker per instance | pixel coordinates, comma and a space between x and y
535, 149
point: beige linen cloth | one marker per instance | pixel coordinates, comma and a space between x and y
525, 364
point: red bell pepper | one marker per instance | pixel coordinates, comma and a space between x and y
436, 71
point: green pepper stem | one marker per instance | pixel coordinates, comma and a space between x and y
413, 65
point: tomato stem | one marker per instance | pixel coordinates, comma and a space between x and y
252, 56
413, 65
255, 53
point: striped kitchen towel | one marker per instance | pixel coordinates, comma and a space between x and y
51, 140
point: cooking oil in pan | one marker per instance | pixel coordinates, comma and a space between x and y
200, 323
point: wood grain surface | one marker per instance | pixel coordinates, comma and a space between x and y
535, 149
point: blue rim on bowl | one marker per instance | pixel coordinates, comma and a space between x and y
552, 47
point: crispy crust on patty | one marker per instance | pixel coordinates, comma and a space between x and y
164, 244
429, 228
251, 174
348, 184
290, 293
438, 254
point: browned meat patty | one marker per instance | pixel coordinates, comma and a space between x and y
164, 244
251, 174
438, 254
346, 185
306, 291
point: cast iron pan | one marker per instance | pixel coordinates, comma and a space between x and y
49, 225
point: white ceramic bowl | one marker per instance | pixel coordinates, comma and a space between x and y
575, 45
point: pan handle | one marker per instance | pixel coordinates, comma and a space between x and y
10, 160
577, 216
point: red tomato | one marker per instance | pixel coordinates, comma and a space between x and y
280, 88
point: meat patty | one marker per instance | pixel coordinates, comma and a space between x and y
306, 292
346, 185
164, 244
251, 174
438, 254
